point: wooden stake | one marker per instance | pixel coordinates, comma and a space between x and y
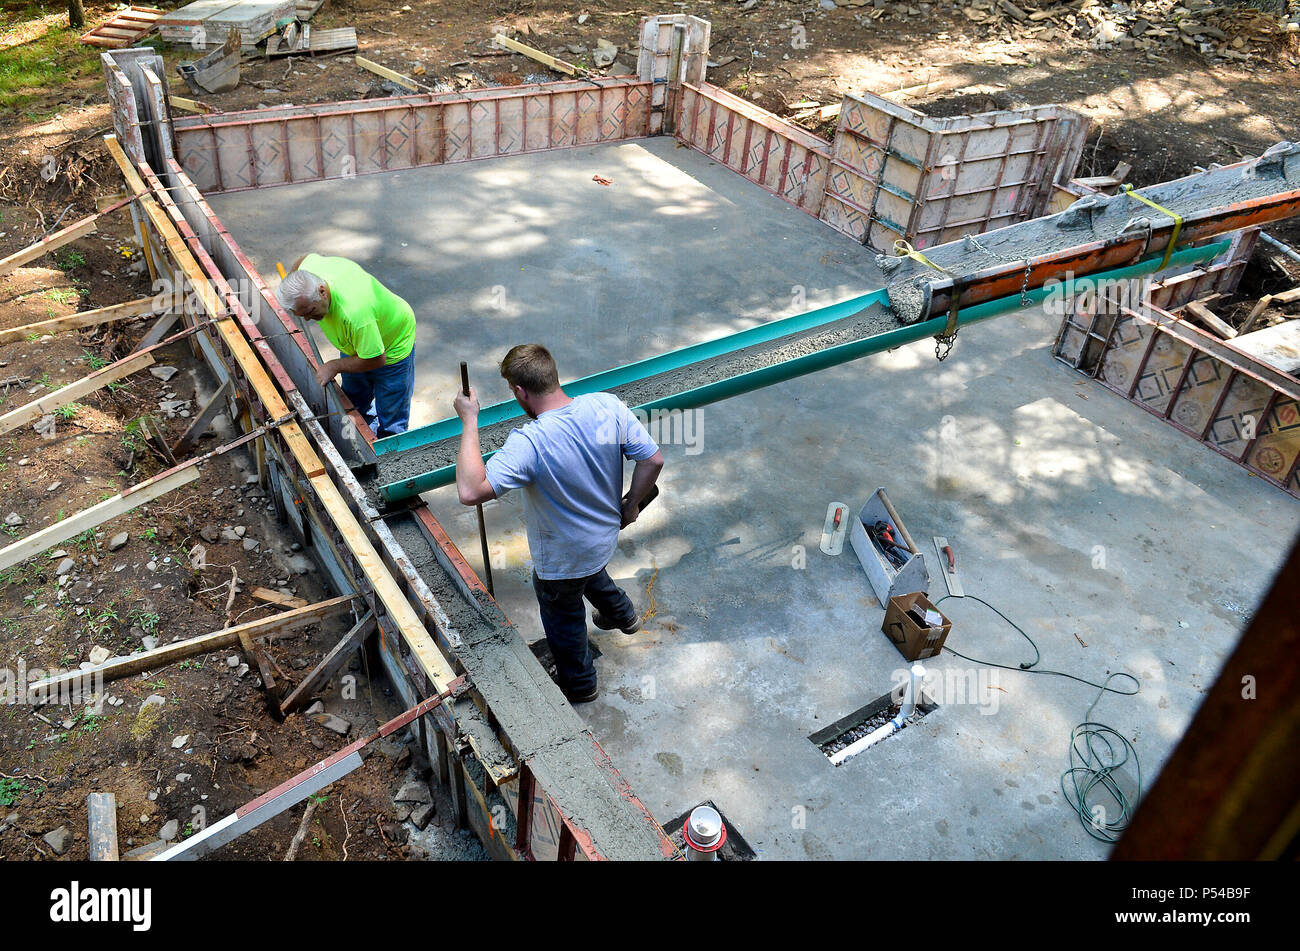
277, 599
203, 419
1255, 311
323, 672
120, 667
101, 814
1207, 317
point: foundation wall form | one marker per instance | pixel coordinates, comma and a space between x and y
241, 150
1238, 406
899, 174
786, 160
318, 496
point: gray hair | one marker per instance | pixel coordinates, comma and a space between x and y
299, 291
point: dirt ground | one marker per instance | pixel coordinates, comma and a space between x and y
1164, 113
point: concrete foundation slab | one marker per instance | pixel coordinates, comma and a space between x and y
1114, 541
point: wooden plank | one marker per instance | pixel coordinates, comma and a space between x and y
190, 105
294, 790
383, 71
86, 318
204, 419
229, 329
171, 653
66, 394
1287, 297
277, 598
71, 233
323, 672
101, 815
1259, 308
1207, 317
96, 515
545, 59
318, 41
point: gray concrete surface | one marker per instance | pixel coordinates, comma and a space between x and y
1117, 542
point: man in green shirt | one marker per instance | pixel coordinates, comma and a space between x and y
373, 329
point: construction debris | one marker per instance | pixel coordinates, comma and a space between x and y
124, 28
1220, 31
216, 72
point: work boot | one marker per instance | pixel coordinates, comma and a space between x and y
605, 624
584, 697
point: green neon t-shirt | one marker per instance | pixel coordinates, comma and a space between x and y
365, 318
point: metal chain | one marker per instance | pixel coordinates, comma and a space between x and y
943, 345
1024, 288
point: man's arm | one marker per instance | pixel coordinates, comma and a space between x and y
332, 368
644, 477
472, 483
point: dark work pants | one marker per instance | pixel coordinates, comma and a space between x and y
564, 619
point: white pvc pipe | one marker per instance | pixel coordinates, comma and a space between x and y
915, 676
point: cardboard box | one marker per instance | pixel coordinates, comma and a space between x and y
914, 641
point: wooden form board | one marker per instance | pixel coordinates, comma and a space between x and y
318, 41
667, 44
85, 318
782, 158
117, 668
37, 408
1229, 401
234, 151
899, 174
96, 515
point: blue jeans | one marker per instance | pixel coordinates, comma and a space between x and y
565, 621
383, 396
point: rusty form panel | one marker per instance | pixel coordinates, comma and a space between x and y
252, 149
782, 158
673, 49
898, 174
1220, 277
1226, 399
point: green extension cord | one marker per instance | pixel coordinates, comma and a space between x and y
1096, 750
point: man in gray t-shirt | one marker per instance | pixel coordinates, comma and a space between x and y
569, 463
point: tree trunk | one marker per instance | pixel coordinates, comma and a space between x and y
76, 15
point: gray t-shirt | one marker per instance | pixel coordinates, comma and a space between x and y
569, 462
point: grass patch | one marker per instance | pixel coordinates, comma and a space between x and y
43, 63
146, 721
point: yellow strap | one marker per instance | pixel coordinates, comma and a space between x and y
903, 249
280, 267
1178, 221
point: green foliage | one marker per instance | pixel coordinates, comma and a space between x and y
43, 63
69, 260
11, 790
